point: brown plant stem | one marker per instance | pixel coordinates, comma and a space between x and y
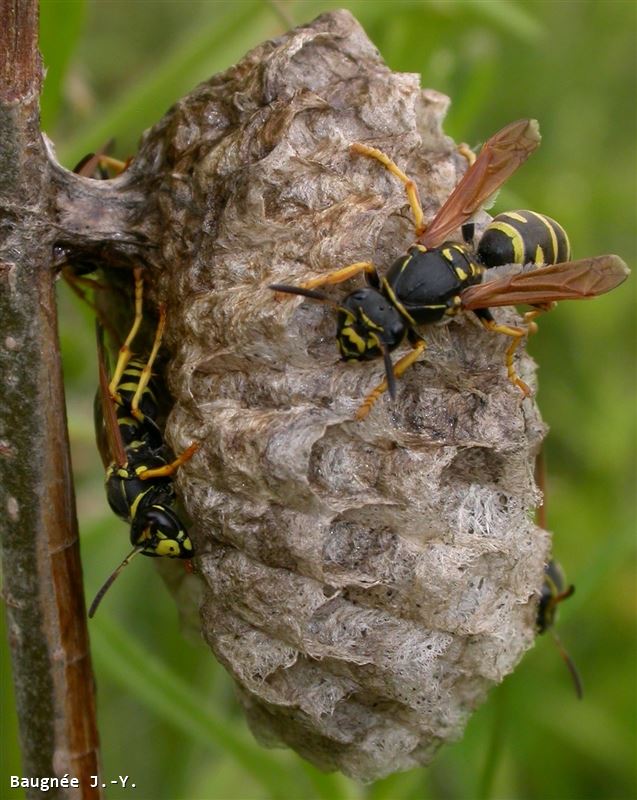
40, 554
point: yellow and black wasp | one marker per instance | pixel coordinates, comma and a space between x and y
554, 588
438, 278
554, 591
139, 465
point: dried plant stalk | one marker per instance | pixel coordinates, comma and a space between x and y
40, 558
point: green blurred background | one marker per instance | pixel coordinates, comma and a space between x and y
168, 715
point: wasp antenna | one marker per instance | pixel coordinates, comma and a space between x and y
389, 372
109, 581
312, 294
564, 595
577, 680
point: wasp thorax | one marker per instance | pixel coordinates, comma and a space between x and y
367, 323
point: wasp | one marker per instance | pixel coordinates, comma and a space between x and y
439, 277
139, 465
554, 588
554, 591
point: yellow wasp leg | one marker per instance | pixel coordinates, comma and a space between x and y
336, 276
517, 334
147, 371
399, 368
168, 469
114, 163
410, 187
125, 352
467, 153
340, 275
537, 310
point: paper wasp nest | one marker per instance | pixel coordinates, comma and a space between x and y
365, 582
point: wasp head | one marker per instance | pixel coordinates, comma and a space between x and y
159, 532
368, 325
554, 591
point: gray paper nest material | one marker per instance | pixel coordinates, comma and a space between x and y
365, 582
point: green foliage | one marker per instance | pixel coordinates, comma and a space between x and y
167, 712
57, 28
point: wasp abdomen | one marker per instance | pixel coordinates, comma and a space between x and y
523, 237
127, 387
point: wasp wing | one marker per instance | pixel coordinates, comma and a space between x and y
88, 166
570, 280
499, 158
107, 432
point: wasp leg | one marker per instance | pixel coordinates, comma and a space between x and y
466, 152
147, 371
410, 187
81, 287
517, 335
334, 277
76, 281
399, 368
343, 274
125, 351
539, 308
168, 469
113, 163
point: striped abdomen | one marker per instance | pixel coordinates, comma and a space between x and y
523, 237
127, 387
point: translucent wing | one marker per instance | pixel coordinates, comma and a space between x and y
107, 432
570, 280
90, 164
499, 158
